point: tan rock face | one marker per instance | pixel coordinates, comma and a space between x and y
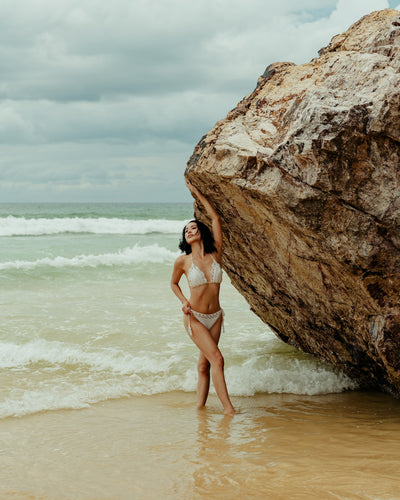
305, 173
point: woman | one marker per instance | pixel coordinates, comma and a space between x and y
203, 315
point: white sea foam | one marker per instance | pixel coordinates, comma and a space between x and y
21, 226
59, 353
127, 256
284, 376
89, 375
94, 374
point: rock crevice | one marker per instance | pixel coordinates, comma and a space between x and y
305, 173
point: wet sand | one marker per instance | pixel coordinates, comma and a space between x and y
340, 446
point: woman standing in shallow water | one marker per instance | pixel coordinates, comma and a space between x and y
203, 315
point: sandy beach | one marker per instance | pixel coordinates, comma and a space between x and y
278, 446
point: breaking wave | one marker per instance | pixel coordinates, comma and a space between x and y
127, 256
90, 375
21, 226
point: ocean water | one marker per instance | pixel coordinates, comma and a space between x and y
88, 314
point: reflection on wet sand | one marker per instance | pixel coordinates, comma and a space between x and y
335, 446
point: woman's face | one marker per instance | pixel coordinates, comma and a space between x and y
192, 233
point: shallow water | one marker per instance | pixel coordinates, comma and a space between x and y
339, 446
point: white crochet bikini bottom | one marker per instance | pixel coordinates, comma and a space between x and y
208, 320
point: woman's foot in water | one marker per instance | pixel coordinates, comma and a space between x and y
230, 411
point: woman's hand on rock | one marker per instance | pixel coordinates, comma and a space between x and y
192, 189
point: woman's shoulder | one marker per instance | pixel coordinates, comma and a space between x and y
182, 261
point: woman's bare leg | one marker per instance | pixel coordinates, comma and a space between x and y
203, 367
209, 348
203, 381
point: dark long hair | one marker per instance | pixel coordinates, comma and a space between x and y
206, 237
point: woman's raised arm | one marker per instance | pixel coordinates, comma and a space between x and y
212, 213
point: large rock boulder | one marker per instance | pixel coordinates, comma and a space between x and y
305, 173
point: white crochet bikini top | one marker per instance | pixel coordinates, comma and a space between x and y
196, 276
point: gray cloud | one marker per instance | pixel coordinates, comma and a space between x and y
106, 100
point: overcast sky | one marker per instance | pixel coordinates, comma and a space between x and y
105, 100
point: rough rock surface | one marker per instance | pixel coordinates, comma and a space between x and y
305, 173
